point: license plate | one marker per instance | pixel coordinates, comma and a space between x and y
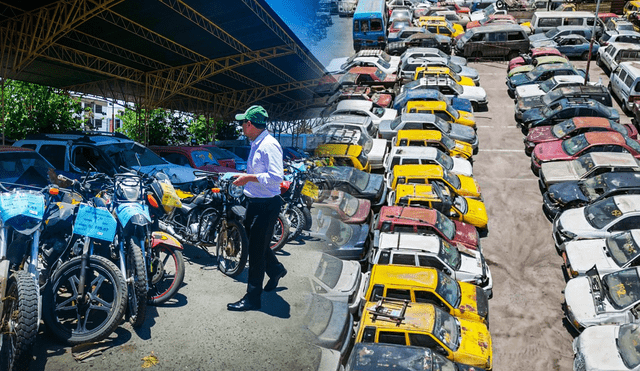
310, 190
25, 204
95, 223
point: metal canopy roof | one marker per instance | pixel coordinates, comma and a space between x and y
204, 56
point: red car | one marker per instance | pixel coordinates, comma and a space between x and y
196, 157
345, 207
535, 52
398, 25
572, 148
368, 76
362, 93
572, 127
459, 9
429, 221
492, 20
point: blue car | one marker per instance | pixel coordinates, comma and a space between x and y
567, 108
573, 46
407, 95
540, 74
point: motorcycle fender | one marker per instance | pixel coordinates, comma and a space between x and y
133, 213
4, 278
162, 238
239, 211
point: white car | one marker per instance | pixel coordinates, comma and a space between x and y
599, 220
486, 12
615, 53
537, 90
431, 52
345, 133
608, 347
409, 66
458, 263
611, 300
609, 254
364, 108
374, 58
334, 278
425, 155
450, 88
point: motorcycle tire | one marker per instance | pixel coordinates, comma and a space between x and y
232, 253
280, 233
19, 326
167, 274
296, 222
137, 286
307, 218
61, 312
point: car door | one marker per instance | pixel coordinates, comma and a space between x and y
625, 223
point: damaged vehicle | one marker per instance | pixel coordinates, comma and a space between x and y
608, 347
344, 241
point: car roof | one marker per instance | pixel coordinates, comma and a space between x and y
627, 203
604, 137
418, 170
613, 158
410, 241
569, 78
418, 117
431, 104
591, 122
625, 46
633, 66
354, 104
363, 70
420, 134
15, 149
417, 317
402, 214
399, 275
414, 151
419, 192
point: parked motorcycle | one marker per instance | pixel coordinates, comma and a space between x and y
294, 206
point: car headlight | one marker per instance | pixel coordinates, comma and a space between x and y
568, 234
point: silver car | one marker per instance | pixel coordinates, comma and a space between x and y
450, 88
364, 108
335, 278
612, 299
601, 219
432, 52
607, 347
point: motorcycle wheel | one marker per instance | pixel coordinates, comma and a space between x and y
296, 222
232, 253
280, 233
137, 286
307, 218
19, 326
77, 323
167, 269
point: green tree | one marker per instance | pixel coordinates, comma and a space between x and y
159, 129
202, 130
31, 108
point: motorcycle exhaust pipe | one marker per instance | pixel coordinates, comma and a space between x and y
166, 227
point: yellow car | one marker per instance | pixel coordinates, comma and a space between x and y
345, 155
439, 25
436, 71
433, 138
459, 185
425, 325
442, 110
434, 196
428, 285
631, 7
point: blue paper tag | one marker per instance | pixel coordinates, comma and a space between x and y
24, 204
95, 223
126, 211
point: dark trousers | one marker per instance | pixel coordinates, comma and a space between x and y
260, 220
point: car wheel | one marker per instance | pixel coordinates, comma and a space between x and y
585, 55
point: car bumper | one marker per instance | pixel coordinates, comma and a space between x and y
550, 209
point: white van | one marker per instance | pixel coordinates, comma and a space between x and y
346, 8
544, 21
608, 58
625, 84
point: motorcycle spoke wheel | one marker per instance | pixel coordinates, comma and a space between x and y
232, 251
19, 326
100, 312
280, 233
167, 274
137, 287
296, 222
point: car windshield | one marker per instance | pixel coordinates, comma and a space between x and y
24, 167
359, 179
452, 179
622, 248
449, 289
384, 63
574, 145
563, 128
602, 212
454, 67
445, 225
339, 233
453, 112
378, 111
551, 33
448, 142
489, 10
221, 154
625, 27
329, 270
395, 123
124, 154
619, 128
460, 203
583, 164
444, 160
450, 255
552, 96
547, 85
628, 344
202, 158
446, 329
549, 111
593, 187
622, 287
349, 204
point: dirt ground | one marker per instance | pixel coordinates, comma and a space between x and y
196, 332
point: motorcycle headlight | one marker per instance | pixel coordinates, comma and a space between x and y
128, 189
235, 191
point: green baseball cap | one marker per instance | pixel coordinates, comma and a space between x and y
256, 114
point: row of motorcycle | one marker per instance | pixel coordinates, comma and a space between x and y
84, 255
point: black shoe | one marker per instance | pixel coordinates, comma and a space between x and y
273, 281
243, 305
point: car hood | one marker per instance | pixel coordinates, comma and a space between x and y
466, 234
583, 254
540, 134
469, 72
517, 61
550, 151
544, 43
461, 104
177, 174
384, 128
469, 264
566, 192
520, 70
573, 220
475, 340
462, 166
558, 172
327, 320
463, 133
460, 61
476, 214
531, 115
374, 187
598, 346
527, 91
335, 66
520, 79
538, 37
579, 299
473, 93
